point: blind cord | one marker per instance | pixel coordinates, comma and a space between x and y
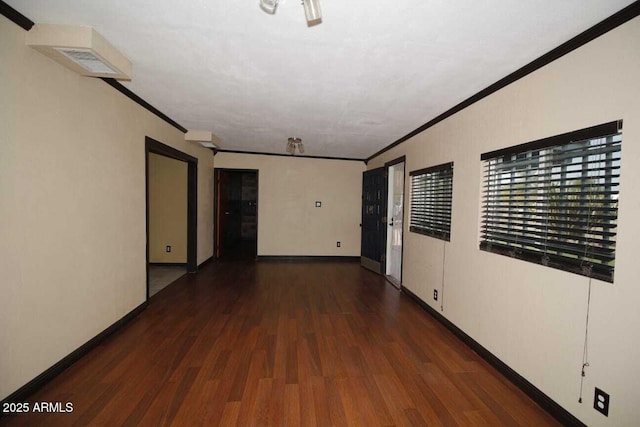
585, 354
444, 255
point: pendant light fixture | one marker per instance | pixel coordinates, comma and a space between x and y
293, 144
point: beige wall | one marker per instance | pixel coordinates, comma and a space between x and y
167, 209
530, 316
72, 207
288, 221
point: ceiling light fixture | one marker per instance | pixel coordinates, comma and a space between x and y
311, 10
293, 144
269, 6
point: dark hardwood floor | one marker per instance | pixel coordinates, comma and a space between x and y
284, 343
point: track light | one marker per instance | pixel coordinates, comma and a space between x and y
311, 10
293, 144
269, 6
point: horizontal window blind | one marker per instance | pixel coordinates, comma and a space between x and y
556, 204
431, 191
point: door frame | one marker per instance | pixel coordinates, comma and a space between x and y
216, 197
156, 147
387, 165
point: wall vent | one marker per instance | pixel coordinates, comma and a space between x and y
87, 60
205, 138
80, 49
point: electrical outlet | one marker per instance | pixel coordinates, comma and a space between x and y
318, 204
168, 248
435, 294
601, 402
337, 244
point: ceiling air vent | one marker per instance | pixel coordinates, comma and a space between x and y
87, 60
80, 49
203, 137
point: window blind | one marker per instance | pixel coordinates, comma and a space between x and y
431, 191
555, 201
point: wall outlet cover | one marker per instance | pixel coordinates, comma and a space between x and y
435, 294
337, 244
318, 204
601, 402
168, 248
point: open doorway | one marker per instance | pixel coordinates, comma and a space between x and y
236, 231
171, 206
395, 221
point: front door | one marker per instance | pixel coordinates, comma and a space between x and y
374, 203
395, 214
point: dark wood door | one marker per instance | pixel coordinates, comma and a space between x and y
223, 212
237, 208
374, 203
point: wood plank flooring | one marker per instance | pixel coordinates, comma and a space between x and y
283, 344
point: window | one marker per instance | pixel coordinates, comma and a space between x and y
555, 201
431, 191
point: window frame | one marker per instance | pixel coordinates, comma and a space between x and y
436, 208
579, 264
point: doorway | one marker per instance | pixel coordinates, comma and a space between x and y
153, 147
236, 231
395, 221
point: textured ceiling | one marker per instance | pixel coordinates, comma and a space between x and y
372, 72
